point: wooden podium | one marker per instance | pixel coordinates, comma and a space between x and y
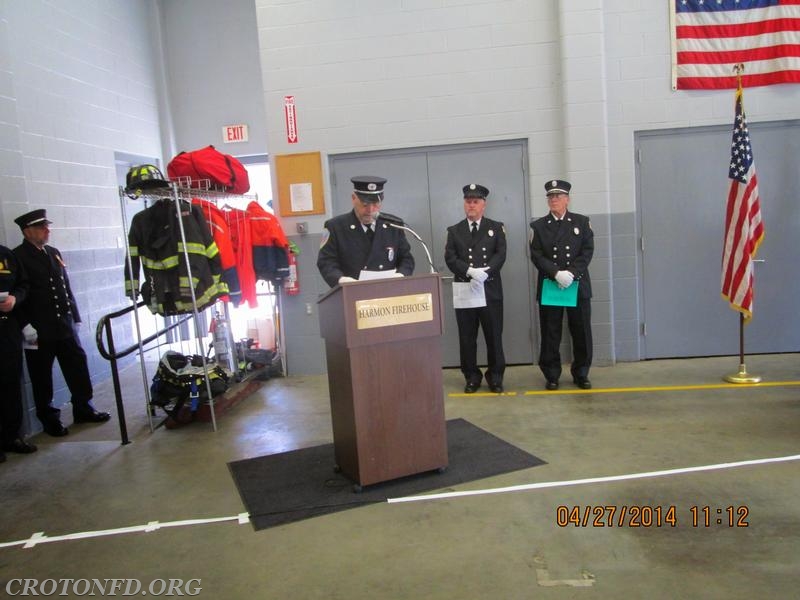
382, 342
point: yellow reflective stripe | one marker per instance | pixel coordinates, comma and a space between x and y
212, 250
134, 250
192, 248
160, 265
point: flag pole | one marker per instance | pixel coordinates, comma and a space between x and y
741, 376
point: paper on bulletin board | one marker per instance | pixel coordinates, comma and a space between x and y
302, 199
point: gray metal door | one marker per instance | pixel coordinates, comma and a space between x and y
682, 194
424, 187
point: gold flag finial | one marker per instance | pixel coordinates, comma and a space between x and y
738, 68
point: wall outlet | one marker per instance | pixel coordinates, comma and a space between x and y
302, 227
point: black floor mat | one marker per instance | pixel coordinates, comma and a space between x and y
287, 487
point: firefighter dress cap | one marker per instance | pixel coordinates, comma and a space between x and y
35, 217
368, 188
475, 190
557, 186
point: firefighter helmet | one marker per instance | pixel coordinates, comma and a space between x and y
144, 177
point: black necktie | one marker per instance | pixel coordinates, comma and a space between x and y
474, 230
370, 233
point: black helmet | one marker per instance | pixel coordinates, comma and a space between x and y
144, 177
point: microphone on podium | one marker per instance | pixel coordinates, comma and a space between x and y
398, 223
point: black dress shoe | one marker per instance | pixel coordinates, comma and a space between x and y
19, 446
56, 430
497, 388
91, 416
471, 388
583, 383
551, 385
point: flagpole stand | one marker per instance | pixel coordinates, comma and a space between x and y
742, 376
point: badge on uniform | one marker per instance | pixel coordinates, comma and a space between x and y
491, 233
326, 235
577, 231
390, 253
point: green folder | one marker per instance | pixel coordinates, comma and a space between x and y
555, 295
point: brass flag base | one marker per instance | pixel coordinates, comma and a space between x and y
742, 376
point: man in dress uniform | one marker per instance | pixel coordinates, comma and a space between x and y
361, 240
13, 289
475, 252
51, 311
562, 245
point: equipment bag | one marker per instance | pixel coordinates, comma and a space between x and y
220, 169
180, 378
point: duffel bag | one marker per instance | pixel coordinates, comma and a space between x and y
222, 170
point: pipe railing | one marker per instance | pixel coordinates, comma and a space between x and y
111, 354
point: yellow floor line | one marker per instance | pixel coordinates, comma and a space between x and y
649, 388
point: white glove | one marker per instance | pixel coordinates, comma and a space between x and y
345, 279
479, 274
397, 274
475, 285
30, 334
564, 278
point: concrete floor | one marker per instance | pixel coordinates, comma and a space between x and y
505, 545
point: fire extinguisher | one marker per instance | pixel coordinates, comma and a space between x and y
292, 283
219, 330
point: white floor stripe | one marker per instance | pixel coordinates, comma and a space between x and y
41, 538
242, 518
552, 484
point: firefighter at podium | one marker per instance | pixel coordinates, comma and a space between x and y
360, 240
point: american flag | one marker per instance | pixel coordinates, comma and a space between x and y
744, 230
710, 36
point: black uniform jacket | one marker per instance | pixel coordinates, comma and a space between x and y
564, 246
488, 250
13, 280
50, 306
347, 251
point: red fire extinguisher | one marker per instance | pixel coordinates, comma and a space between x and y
292, 283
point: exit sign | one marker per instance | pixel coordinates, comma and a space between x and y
234, 133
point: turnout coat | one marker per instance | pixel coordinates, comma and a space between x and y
346, 249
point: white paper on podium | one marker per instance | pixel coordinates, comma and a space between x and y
466, 296
365, 275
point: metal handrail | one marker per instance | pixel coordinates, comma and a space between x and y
112, 355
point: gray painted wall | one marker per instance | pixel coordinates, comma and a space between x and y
214, 78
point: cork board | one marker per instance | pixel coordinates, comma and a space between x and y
299, 179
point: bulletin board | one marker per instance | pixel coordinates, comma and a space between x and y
299, 180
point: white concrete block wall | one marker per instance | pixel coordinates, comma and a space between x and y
84, 88
389, 74
78, 82
577, 78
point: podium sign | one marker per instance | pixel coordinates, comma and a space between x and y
383, 350
399, 310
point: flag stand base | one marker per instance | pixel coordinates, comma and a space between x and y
742, 376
